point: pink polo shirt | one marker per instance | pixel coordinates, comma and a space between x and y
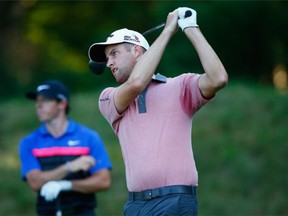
157, 145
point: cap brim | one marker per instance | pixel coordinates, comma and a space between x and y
33, 95
97, 52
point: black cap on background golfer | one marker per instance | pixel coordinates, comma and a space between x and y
52, 89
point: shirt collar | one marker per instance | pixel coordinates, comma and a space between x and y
71, 127
159, 78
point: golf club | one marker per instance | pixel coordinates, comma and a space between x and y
98, 68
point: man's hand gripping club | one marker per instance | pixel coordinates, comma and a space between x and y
185, 20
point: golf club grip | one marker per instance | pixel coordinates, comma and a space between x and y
188, 13
58, 207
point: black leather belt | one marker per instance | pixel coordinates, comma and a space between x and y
162, 191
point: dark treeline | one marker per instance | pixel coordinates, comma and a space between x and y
50, 39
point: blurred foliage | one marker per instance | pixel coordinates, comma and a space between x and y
50, 39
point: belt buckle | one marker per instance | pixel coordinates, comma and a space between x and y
147, 195
150, 194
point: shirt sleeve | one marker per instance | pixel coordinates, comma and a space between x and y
108, 109
191, 98
27, 160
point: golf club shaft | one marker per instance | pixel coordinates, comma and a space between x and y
153, 29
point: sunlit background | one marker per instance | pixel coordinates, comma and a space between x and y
280, 78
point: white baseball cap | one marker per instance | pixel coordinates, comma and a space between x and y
97, 50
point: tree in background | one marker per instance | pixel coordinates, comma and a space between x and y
44, 39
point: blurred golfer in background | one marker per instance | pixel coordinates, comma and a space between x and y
63, 161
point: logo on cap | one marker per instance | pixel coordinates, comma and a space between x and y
42, 87
110, 36
131, 38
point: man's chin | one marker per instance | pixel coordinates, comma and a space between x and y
120, 80
42, 119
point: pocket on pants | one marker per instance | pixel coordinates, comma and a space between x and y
188, 205
132, 208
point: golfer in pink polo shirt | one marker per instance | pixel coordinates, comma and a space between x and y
152, 114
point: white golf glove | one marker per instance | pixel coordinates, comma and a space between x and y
51, 189
187, 18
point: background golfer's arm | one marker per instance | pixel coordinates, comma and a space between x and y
146, 66
100, 180
37, 178
215, 76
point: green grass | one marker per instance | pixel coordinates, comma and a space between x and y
240, 143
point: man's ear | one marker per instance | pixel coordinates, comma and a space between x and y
63, 104
137, 50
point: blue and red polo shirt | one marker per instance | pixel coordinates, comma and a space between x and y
39, 150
